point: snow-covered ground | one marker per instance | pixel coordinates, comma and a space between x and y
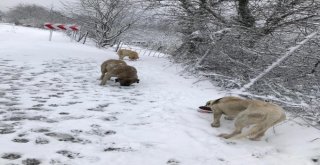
53, 111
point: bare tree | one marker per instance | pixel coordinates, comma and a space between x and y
106, 20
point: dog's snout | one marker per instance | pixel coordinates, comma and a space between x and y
125, 84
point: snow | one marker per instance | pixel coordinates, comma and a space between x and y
53, 111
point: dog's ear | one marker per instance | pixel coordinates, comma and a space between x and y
138, 81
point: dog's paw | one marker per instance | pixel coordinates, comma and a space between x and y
224, 135
255, 138
215, 125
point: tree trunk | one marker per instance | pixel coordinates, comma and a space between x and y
245, 15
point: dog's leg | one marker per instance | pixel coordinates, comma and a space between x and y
101, 77
106, 77
241, 121
235, 132
121, 56
264, 127
103, 70
216, 118
258, 136
254, 133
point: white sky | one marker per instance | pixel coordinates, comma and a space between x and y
7, 4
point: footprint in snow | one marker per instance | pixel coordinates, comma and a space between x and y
173, 162
67, 138
7, 129
31, 162
40, 130
110, 118
11, 156
117, 149
41, 140
70, 154
22, 140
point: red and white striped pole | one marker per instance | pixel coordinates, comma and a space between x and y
52, 27
49, 26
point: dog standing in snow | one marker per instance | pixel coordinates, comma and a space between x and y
107, 65
125, 52
262, 115
125, 74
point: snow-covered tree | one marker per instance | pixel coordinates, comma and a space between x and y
263, 47
1, 15
106, 20
34, 15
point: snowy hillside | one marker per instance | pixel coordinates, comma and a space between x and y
53, 111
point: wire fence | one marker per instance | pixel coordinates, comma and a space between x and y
158, 50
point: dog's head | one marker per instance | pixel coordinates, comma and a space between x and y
212, 102
127, 81
209, 105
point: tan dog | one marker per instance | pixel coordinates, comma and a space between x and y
107, 65
125, 74
125, 52
262, 115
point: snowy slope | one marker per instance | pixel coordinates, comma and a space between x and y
52, 111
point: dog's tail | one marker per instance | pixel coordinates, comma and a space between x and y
259, 128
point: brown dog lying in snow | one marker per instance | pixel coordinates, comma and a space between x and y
262, 115
125, 52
